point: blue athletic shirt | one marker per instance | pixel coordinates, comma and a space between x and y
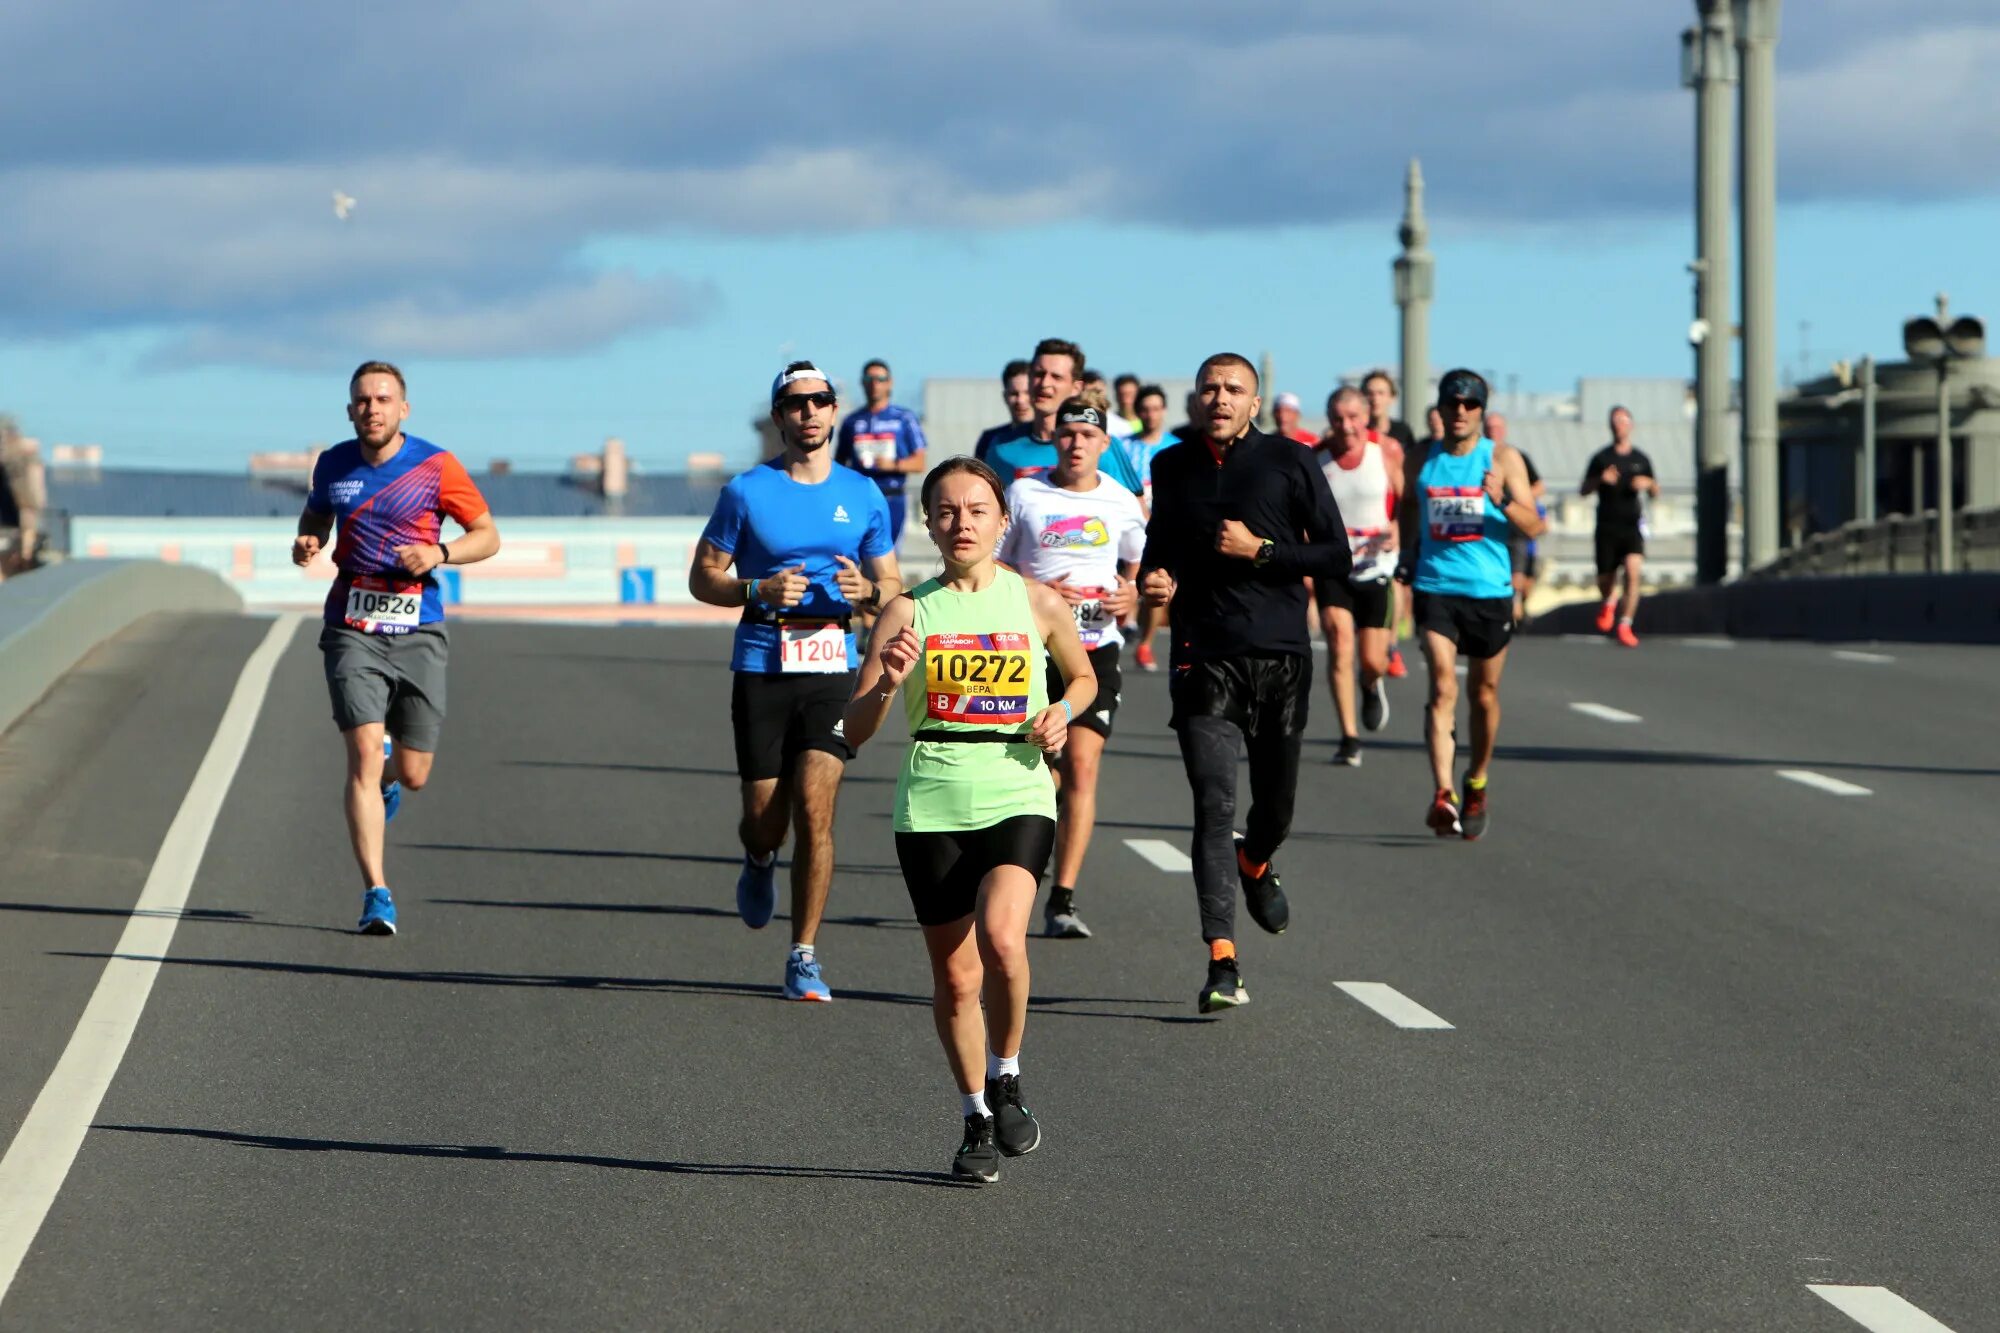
770, 522
1019, 454
892, 432
376, 510
1462, 541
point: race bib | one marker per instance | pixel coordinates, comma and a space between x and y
1456, 513
812, 646
1092, 620
384, 605
979, 678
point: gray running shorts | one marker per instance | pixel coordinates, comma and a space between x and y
394, 679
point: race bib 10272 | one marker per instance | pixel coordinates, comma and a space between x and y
978, 678
812, 647
1455, 513
384, 605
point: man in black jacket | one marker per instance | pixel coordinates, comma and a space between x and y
1240, 519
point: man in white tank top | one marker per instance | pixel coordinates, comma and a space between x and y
1364, 470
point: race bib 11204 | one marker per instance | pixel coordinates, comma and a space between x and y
813, 647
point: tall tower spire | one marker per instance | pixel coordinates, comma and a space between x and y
1413, 295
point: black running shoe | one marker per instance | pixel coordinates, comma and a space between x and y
1264, 896
978, 1158
1350, 752
1015, 1128
1223, 989
1375, 705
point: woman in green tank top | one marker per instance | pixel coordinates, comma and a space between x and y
975, 804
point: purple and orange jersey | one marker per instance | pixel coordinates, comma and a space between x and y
377, 509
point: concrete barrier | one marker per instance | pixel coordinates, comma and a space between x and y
1898, 608
49, 619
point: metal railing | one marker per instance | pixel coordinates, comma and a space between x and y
1900, 544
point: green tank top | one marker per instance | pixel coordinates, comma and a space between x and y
982, 674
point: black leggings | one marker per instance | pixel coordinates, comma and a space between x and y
1260, 702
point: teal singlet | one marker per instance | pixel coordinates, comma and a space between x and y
1462, 550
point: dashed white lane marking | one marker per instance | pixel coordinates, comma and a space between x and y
1606, 713
1877, 1308
1164, 855
32, 1172
1708, 643
1850, 655
1823, 782
1393, 1005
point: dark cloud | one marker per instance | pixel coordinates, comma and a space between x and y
172, 165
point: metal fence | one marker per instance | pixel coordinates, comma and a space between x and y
1900, 544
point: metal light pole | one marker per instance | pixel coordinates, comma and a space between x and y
1940, 343
1864, 473
1708, 65
1413, 294
1756, 51
1947, 502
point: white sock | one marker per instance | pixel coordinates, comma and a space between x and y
1624, 620
760, 861
972, 1103
997, 1065
805, 949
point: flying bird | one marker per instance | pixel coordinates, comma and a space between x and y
343, 204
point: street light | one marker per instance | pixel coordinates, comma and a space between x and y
1934, 341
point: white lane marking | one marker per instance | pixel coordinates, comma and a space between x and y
1823, 782
32, 1172
1164, 855
1850, 655
1606, 713
1876, 1308
1708, 643
1393, 1005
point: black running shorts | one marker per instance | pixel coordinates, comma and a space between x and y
943, 871
779, 717
1371, 604
1615, 541
1261, 695
1098, 716
394, 679
1480, 626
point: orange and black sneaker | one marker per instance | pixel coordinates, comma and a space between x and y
1606, 615
1472, 821
1625, 634
1443, 816
1263, 894
1224, 987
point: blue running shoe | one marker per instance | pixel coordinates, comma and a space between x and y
378, 913
757, 892
392, 790
802, 981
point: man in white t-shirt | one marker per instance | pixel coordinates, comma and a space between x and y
1364, 471
1082, 534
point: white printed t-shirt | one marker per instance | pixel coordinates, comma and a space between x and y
1082, 534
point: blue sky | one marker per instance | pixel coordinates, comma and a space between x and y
612, 219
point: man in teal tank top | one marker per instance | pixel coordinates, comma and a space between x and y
1463, 496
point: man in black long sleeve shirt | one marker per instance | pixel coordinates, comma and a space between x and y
1239, 520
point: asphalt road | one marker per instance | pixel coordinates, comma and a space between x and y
1716, 1034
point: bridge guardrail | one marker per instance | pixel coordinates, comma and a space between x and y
1899, 544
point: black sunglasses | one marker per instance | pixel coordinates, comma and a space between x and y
792, 402
1462, 404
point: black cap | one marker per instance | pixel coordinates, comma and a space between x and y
1467, 384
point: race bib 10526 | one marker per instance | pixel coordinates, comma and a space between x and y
384, 605
978, 678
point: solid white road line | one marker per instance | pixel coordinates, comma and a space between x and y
1823, 782
32, 1172
1164, 855
1606, 713
1850, 655
1393, 1005
1876, 1308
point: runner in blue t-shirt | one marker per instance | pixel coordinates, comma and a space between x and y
1029, 449
883, 441
383, 643
797, 530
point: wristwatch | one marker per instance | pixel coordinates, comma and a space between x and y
1264, 552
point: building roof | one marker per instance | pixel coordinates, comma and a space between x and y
139, 493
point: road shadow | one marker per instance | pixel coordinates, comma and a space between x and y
1054, 1006
471, 1152
191, 916
600, 853
672, 909
862, 779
